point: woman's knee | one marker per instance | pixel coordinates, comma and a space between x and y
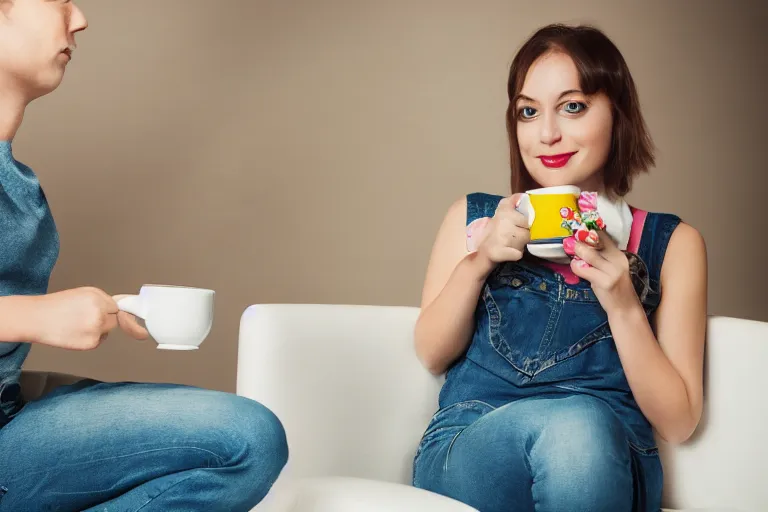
582, 431
562, 454
582, 456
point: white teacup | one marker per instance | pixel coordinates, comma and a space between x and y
177, 317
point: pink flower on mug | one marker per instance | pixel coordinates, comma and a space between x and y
566, 213
475, 233
588, 201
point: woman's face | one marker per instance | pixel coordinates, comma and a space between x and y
36, 42
564, 136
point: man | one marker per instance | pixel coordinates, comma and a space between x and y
94, 445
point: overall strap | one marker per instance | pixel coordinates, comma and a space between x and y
636, 232
649, 238
481, 205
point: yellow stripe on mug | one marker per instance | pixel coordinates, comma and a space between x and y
542, 207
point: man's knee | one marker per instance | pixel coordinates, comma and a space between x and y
260, 445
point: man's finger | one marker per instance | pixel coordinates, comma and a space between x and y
131, 326
110, 322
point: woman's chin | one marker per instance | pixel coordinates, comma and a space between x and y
554, 180
560, 177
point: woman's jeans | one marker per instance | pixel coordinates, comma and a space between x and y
543, 454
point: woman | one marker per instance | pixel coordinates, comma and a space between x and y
558, 374
93, 445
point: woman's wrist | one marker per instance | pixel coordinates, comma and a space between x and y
630, 311
479, 265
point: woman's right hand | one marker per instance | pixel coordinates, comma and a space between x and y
506, 234
77, 319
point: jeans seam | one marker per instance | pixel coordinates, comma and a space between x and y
430, 431
554, 318
164, 491
450, 447
650, 452
460, 404
493, 311
70, 466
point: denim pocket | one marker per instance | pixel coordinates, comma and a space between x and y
518, 313
534, 331
535, 321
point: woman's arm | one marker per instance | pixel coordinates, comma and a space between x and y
449, 297
454, 280
665, 374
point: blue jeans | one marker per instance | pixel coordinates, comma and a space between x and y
127, 447
542, 454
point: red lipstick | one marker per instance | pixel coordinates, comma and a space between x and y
556, 161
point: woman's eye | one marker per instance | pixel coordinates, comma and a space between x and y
527, 112
574, 107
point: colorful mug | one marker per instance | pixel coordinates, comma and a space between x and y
543, 206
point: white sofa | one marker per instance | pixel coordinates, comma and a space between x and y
346, 384
354, 401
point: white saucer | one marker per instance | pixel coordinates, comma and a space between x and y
550, 252
165, 346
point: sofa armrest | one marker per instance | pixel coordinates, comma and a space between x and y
724, 462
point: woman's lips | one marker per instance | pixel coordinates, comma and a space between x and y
556, 161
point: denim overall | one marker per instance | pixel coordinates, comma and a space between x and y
542, 349
29, 247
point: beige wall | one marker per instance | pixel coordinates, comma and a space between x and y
306, 151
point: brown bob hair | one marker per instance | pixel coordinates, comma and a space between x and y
601, 68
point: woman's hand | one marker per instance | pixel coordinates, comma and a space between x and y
606, 267
502, 237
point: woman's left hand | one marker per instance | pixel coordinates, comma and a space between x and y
607, 269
